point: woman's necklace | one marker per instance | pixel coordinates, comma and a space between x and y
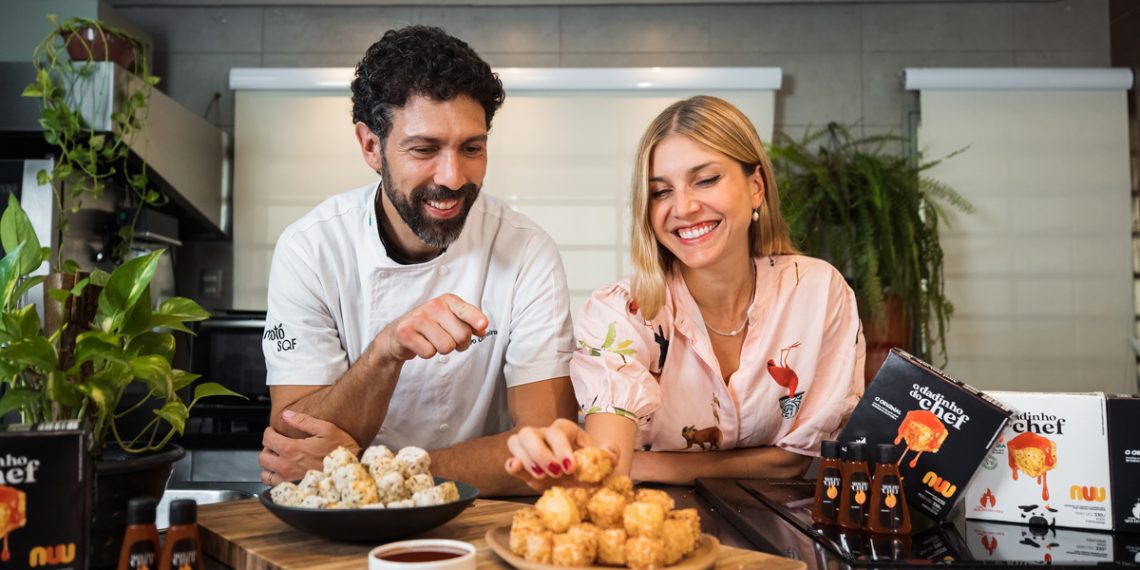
751, 297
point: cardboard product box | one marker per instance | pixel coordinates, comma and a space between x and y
45, 496
1124, 461
1051, 461
943, 426
1037, 544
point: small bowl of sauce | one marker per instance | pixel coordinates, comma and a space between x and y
425, 554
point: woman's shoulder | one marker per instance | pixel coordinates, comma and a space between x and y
618, 297
811, 269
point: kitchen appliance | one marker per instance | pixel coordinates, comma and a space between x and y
227, 349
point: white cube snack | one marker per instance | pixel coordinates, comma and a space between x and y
419, 482
308, 484
286, 494
401, 504
355, 485
374, 453
339, 456
327, 489
413, 460
428, 497
315, 502
391, 487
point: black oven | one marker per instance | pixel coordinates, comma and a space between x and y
227, 349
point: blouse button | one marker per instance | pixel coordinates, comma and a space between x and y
443, 427
444, 359
443, 271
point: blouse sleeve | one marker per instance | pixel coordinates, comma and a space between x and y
611, 366
838, 380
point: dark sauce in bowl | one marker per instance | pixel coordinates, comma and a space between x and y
421, 555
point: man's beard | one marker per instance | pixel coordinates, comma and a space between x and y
431, 231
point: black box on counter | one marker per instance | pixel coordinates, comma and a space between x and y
945, 429
1124, 461
45, 496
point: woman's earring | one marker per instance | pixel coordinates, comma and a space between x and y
756, 215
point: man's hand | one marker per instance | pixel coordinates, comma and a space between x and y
286, 459
439, 326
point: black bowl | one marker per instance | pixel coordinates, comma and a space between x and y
371, 525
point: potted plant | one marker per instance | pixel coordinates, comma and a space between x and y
127, 342
875, 215
90, 157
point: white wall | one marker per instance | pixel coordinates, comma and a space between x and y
563, 158
1040, 274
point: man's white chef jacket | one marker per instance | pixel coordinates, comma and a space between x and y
332, 288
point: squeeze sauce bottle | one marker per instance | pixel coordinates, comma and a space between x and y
888, 513
825, 507
183, 549
855, 494
140, 543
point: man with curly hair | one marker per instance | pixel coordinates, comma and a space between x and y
416, 311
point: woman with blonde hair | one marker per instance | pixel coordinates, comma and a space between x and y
724, 340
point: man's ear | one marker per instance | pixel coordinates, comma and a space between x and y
757, 187
370, 146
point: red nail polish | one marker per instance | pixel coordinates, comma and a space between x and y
566, 464
553, 468
536, 469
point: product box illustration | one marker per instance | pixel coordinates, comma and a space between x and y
1052, 459
45, 489
1124, 461
943, 427
1037, 543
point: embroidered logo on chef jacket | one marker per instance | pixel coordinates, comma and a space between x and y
278, 339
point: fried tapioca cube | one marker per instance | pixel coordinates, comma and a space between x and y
592, 464
655, 496
568, 551
691, 518
643, 553
643, 519
678, 539
606, 508
611, 546
539, 547
558, 509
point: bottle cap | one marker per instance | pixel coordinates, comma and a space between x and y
885, 453
140, 510
829, 449
856, 451
183, 511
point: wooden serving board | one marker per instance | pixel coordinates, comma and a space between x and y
243, 534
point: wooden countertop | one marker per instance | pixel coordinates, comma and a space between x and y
243, 534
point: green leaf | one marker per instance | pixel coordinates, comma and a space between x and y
98, 277
211, 389
32, 90
624, 343
100, 388
94, 347
18, 398
16, 228
611, 334
22, 323
182, 308
63, 392
124, 288
183, 379
70, 266
35, 351
175, 413
158, 344
25, 286
137, 319
156, 372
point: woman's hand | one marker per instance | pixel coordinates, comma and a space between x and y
542, 456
